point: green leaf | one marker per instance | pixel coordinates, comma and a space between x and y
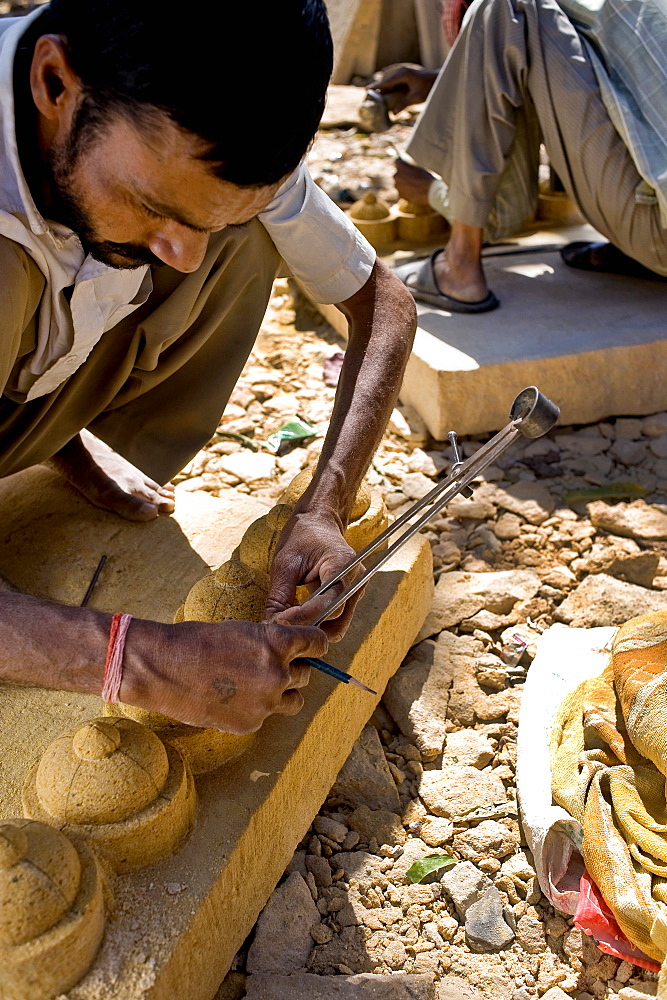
612, 491
431, 863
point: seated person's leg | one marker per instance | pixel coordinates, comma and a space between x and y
479, 134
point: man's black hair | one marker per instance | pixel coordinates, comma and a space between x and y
247, 76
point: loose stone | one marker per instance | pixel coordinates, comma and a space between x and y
486, 928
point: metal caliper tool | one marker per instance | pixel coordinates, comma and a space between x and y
532, 415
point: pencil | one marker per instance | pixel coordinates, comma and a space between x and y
340, 675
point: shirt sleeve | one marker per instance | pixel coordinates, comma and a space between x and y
317, 241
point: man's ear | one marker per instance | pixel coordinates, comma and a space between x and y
56, 89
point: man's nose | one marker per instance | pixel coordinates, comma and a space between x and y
183, 250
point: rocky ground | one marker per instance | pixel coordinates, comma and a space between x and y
541, 541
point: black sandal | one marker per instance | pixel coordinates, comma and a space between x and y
605, 258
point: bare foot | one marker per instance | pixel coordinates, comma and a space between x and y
109, 481
463, 279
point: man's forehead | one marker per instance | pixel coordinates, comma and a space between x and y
164, 169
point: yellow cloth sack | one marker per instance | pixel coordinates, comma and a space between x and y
609, 762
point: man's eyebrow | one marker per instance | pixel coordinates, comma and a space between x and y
169, 212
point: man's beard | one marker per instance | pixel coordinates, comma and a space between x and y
69, 210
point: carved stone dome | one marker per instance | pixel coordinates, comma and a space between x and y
115, 783
234, 591
370, 208
301, 482
51, 910
40, 874
101, 772
258, 544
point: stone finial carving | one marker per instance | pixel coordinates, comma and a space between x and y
259, 543
234, 591
370, 208
51, 910
374, 219
114, 782
302, 481
418, 223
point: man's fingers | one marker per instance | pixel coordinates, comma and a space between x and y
282, 591
335, 628
290, 703
302, 641
299, 674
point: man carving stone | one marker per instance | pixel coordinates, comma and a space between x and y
151, 181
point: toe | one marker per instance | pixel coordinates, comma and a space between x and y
166, 505
132, 508
155, 499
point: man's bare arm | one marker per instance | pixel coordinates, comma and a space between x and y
382, 320
230, 675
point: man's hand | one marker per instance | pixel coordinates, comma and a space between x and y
229, 676
406, 85
412, 182
311, 550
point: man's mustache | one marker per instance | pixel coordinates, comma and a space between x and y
133, 254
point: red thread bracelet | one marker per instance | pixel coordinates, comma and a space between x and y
113, 665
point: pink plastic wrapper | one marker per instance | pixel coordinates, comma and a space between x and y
594, 918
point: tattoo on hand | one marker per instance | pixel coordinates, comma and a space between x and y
226, 689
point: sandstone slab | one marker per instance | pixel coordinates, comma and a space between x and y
417, 695
362, 987
459, 789
252, 812
460, 595
51, 541
582, 354
604, 600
